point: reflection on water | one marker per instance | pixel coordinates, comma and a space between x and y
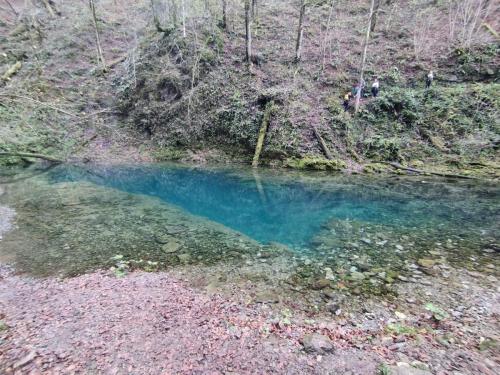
291, 209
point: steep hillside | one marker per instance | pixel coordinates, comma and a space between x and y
184, 90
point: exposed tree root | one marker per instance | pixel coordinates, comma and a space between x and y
30, 155
420, 171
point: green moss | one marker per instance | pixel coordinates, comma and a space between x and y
169, 154
315, 163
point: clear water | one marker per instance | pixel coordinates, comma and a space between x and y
290, 208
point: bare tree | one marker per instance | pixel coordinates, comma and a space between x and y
466, 18
11, 7
254, 9
224, 14
300, 32
248, 29
363, 59
100, 56
375, 15
183, 11
426, 23
49, 7
327, 35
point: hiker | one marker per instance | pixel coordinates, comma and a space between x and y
430, 78
375, 87
347, 98
355, 89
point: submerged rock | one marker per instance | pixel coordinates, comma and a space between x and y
316, 343
171, 247
426, 262
357, 276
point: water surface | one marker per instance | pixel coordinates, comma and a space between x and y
290, 208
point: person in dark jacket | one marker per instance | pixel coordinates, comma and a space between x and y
375, 87
347, 98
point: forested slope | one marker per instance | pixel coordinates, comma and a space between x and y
178, 84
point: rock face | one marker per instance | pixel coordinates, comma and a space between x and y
316, 343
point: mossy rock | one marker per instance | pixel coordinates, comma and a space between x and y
316, 163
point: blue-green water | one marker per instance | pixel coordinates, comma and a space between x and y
291, 208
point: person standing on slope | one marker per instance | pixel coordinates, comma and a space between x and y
375, 87
347, 98
429, 79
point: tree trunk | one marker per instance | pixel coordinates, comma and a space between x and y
300, 32
322, 143
12, 8
248, 29
363, 60
375, 14
224, 14
327, 34
100, 56
254, 9
49, 7
11, 71
183, 10
262, 133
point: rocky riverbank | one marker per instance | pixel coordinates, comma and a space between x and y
150, 323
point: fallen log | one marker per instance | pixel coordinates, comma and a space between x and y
34, 156
262, 133
49, 7
39, 102
420, 171
322, 143
11, 71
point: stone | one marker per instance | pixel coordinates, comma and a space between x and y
357, 276
329, 274
321, 284
426, 262
171, 247
163, 238
334, 308
400, 315
316, 343
266, 297
184, 258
